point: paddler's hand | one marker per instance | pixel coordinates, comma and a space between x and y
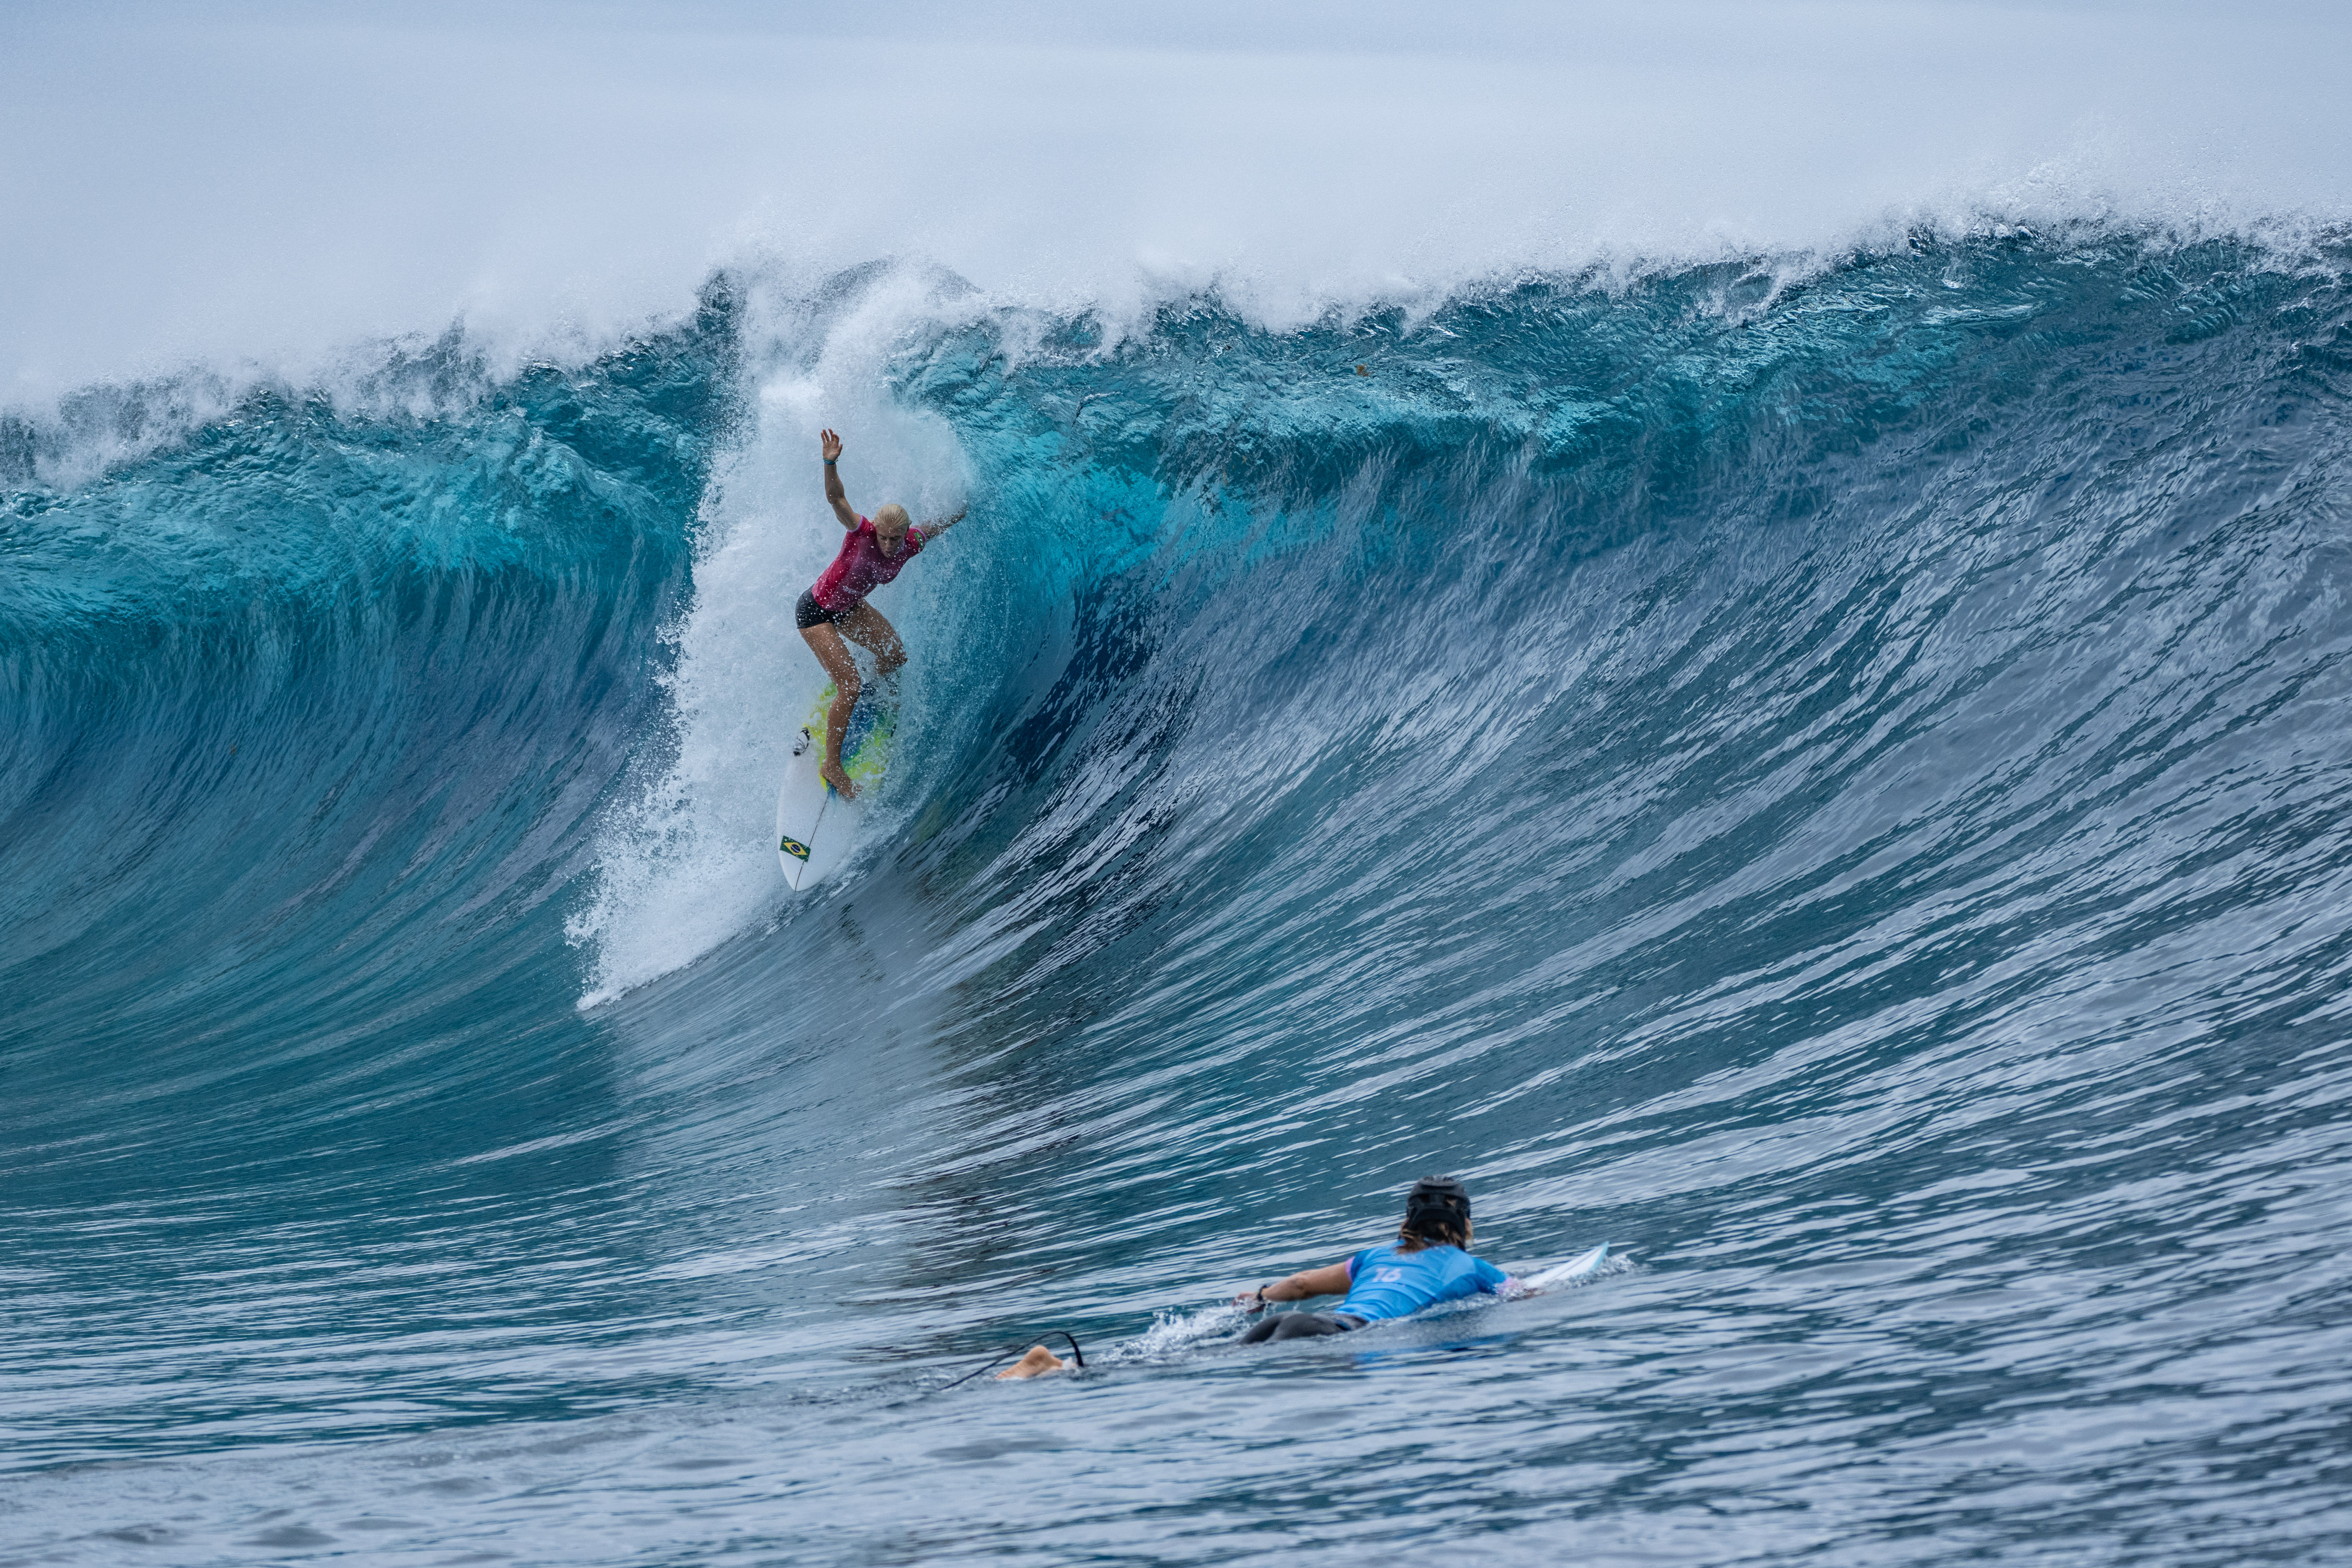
839, 781
1252, 1301
830, 443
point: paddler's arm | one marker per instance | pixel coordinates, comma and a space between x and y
1331, 1281
830, 443
934, 527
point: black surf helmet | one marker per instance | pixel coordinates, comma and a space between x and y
1435, 1206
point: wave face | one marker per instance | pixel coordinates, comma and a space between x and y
1834, 783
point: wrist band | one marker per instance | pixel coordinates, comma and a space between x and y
830, 461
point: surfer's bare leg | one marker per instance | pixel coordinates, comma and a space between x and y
1036, 1364
865, 626
833, 653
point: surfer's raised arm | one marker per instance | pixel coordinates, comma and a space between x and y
831, 446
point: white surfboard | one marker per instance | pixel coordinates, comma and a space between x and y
815, 827
1583, 1266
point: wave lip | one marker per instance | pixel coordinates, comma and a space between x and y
1310, 158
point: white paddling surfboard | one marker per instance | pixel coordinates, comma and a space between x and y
815, 827
1583, 1266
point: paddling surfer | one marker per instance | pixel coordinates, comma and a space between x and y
835, 607
1427, 1263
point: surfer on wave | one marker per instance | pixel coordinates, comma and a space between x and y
1427, 1263
835, 607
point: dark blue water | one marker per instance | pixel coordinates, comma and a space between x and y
1837, 787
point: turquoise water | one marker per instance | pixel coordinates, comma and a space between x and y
1836, 787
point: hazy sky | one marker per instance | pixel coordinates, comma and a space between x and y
264, 183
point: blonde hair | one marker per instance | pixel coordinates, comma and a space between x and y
892, 515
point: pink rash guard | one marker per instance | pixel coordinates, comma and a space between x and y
861, 567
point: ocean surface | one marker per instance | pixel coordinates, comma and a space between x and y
1832, 779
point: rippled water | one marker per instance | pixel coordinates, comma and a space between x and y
1835, 785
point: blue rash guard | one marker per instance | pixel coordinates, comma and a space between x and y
1385, 1283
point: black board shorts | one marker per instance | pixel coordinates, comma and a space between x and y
1299, 1326
809, 612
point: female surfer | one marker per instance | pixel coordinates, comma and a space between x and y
1427, 1263
835, 607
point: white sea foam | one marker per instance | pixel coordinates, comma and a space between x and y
1174, 1332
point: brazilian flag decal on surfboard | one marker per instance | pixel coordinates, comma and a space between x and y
793, 847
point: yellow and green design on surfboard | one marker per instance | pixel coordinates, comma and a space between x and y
865, 740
